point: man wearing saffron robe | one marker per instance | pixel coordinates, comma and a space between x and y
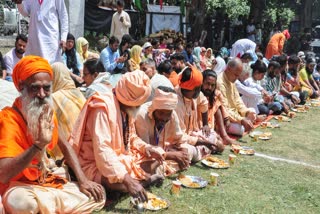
30, 182
276, 44
157, 124
105, 139
191, 103
218, 116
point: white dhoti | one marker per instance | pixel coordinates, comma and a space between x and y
27, 198
235, 129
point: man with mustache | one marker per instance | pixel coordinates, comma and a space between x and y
104, 137
218, 117
307, 81
193, 105
157, 124
14, 55
30, 182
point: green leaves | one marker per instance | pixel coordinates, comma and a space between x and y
233, 8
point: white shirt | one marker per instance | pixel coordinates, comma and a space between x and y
118, 28
10, 60
44, 31
8, 93
242, 46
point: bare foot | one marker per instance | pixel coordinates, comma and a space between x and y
261, 117
228, 141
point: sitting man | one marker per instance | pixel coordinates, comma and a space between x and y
241, 117
105, 139
110, 56
307, 81
149, 68
14, 55
29, 181
192, 104
218, 117
157, 124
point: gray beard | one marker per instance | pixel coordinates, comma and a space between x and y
31, 110
132, 112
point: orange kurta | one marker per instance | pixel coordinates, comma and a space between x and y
14, 140
275, 45
187, 111
98, 140
212, 111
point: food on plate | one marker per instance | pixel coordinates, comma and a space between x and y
221, 163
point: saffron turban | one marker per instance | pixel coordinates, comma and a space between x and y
133, 89
28, 66
163, 100
286, 34
194, 81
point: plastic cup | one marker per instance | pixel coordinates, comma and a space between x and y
264, 125
176, 187
236, 150
232, 159
280, 118
214, 179
291, 114
306, 108
255, 137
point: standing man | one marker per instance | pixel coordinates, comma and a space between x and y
14, 55
48, 27
120, 22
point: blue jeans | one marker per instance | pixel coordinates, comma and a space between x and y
276, 107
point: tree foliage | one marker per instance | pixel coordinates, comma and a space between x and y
233, 8
279, 12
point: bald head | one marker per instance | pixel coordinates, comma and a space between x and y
234, 69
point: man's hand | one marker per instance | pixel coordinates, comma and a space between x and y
135, 189
251, 116
248, 126
92, 189
295, 99
46, 126
206, 130
121, 59
63, 45
153, 153
121, 19
181, 157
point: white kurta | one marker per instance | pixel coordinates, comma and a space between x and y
242, 46
44, 31
118, 28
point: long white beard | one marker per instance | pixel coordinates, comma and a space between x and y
132, 111
31, 110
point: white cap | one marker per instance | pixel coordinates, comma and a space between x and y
301, 54
146, 45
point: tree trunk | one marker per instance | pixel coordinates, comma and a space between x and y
197, 18
306, 15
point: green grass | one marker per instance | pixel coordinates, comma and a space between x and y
255, 184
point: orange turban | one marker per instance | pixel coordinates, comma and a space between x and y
29, 66
286, 34
133, 89
163, 100
195, 80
